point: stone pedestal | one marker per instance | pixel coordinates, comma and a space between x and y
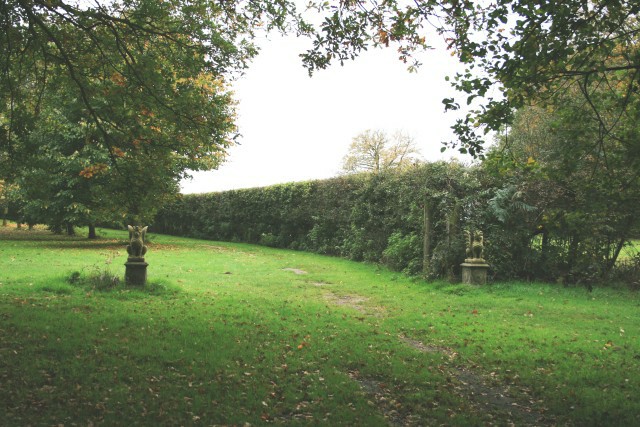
136, 271
474, 271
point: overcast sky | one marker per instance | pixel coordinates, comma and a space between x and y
298, 128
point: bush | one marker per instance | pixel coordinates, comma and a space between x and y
99, 280
628, 271
403, 253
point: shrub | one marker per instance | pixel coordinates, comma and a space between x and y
403, 253
99, 280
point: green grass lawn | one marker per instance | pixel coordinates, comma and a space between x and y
234, 334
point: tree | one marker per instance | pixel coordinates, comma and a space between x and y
140, 84
374, 151
95, 180
121, 99
4, 203
124, 38
566, 204
514, 50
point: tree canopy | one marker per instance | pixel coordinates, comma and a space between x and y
128, 94
513, 49
162, 60
375, 151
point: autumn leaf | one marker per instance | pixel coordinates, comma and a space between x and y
118, 79
90, 171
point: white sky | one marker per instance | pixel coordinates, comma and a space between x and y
298, 128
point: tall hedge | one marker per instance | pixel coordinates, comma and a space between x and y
370, 217
381, 218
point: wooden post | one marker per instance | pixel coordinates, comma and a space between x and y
5, 203
426, 244
452, 232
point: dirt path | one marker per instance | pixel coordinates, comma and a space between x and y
483, 393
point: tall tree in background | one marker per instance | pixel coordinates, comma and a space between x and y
375, 152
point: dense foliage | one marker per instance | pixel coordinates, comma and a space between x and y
118, 100
569, 208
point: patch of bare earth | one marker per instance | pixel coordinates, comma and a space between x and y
382, 397
418, 345
223, 249
213, 248
351, 301
356, 302
295, 270
486, 395
321, 284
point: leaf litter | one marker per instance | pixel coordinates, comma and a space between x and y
486, 395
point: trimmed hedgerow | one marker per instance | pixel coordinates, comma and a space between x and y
381, 218
366, 217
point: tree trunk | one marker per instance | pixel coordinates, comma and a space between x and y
92, 232
426, 243
612, 262
5, 213
70, 230
573, 253
452, 232
545, 246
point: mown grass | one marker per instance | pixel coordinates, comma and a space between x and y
236, 334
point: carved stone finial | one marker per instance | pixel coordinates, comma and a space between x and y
474, 268
475, 245
136, 268
136, 247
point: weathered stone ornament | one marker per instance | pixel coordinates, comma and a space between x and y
136, 267
474, 268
